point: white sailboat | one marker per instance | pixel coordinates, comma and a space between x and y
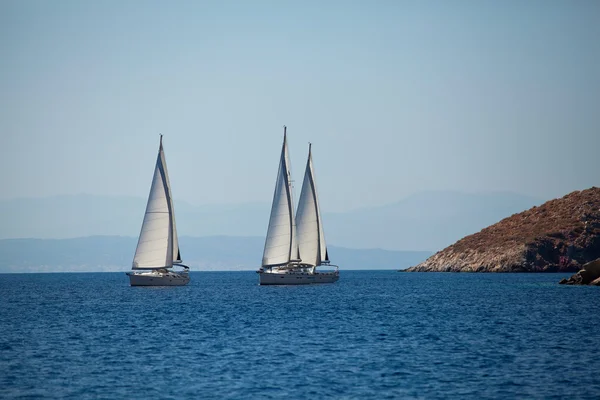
157, 250
311, 239
281, 264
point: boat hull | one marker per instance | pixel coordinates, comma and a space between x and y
296, 278
158, 278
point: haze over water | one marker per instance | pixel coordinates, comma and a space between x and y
397, 97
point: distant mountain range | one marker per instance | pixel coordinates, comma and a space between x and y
426, 221
222, 253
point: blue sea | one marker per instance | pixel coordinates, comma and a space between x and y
372, 335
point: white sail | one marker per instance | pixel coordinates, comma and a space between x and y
157, 245
280, 245
175, 246
311, 239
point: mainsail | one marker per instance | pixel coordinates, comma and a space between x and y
281, 246
158, 246
311, 239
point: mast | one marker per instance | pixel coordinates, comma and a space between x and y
314, 192
310, 226
280, 244
176, 254
167, 188
294, 251
155, 243
289, 189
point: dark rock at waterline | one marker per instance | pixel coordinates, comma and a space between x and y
589, 275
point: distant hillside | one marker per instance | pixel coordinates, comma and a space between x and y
61, 217
425, 221
559, 235
115, 253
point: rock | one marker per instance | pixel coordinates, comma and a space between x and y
576, 279
561, 235
593, 267
586, 277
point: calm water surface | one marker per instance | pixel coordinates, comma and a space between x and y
377, 335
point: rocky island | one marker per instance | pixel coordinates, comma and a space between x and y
561, 235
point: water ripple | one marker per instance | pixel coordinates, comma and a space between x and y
372, 335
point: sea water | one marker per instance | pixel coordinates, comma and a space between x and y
373, 334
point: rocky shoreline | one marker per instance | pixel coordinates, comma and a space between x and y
561, 235
589, 275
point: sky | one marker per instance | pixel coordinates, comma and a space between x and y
397, 97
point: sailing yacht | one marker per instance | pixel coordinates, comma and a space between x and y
281, 264
311, 239
157, 250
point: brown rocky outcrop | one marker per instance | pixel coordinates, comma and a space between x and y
589, 275
561, 235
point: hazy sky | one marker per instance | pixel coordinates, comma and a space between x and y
396, 96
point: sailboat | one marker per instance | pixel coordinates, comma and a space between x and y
281, 263
311, 239
157, 250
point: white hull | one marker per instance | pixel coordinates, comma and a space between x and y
283, 277
155, 278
